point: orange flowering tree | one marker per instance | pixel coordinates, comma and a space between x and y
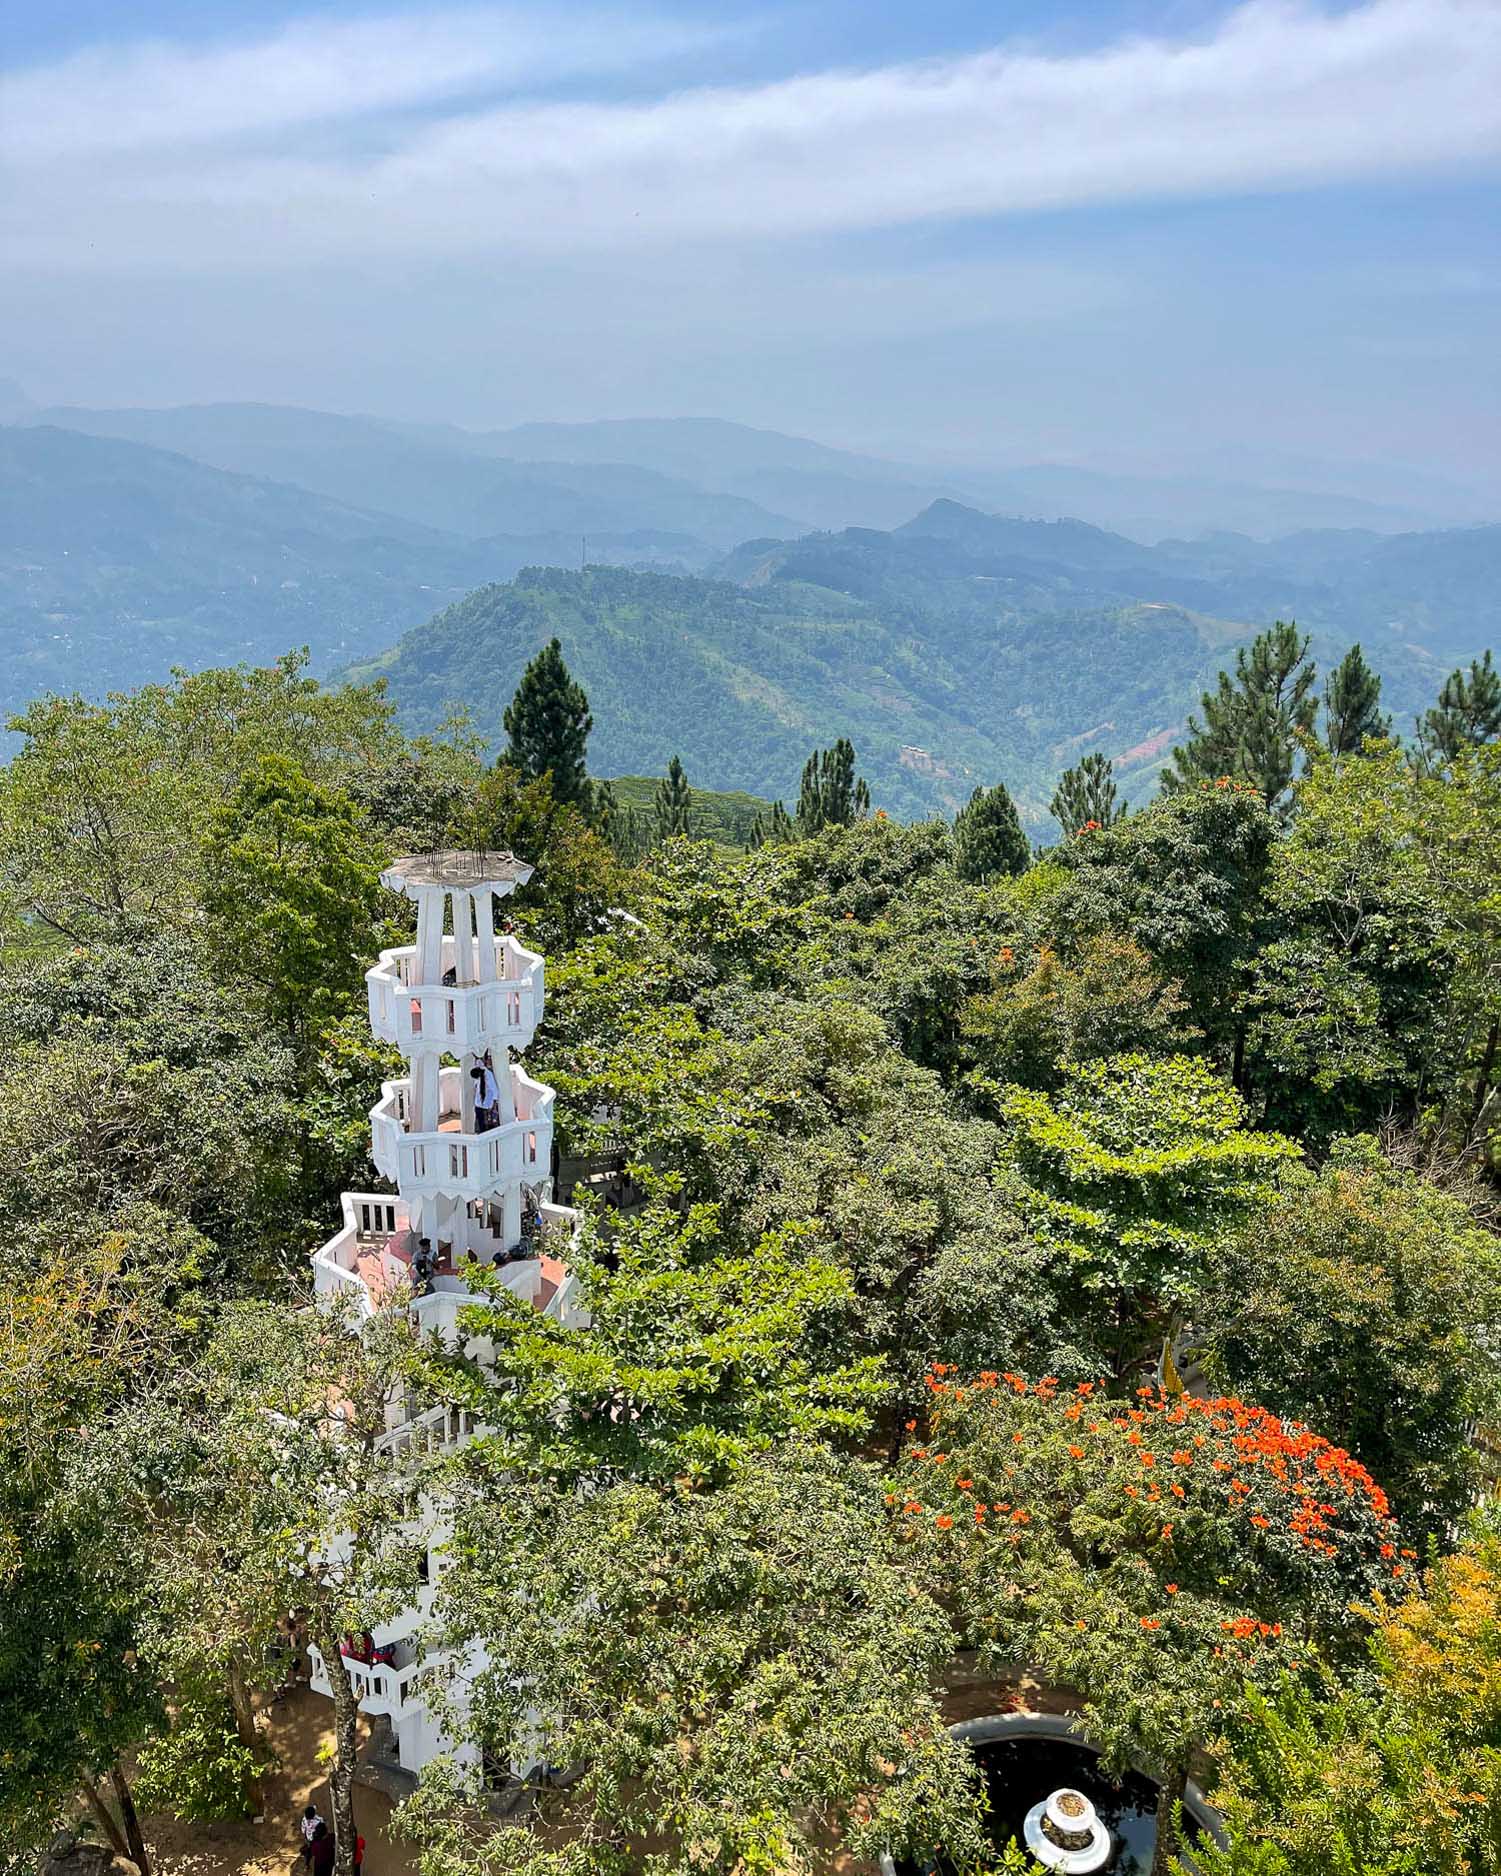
1154, 1553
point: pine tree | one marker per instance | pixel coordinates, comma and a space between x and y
772, 830
988, 838
1468, 712
548, 723
630, 833
831, 795
1085, 795
674, 803
1252, 722
1352, 705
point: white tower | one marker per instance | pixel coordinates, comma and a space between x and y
468, 1186
472, 1185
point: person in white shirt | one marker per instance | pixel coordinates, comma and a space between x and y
486, 1097
310, 1823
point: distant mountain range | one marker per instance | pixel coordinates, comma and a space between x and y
716, 483
954, 645
119, 561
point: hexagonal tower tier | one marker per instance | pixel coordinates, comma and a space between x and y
466, 1140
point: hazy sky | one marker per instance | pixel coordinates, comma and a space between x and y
1119, 234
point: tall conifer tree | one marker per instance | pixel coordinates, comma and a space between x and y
1352, 705
832, 795
1086, 793
1252, 722
988, 838
548, 723
674, 803
1468, 712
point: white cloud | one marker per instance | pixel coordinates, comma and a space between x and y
156, 96
1276, 97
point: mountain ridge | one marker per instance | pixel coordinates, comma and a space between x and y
724, 481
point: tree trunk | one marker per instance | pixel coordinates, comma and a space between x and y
1483, 1080
249, 1732
1169, 1838
135, 1842
346, 1745
105, 1818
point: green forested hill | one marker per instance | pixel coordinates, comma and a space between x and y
743, 681
960, 648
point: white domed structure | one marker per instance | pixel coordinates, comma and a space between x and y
1064, 1833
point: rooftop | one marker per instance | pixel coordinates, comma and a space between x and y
461, 868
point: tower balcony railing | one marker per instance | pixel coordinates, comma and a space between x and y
451, 1161
381, 1686
367, 1267
460, 1018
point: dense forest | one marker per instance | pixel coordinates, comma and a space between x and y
1077, 1263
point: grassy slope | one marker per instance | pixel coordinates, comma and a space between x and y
718, 815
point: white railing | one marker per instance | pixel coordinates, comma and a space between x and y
471, 1165
465, 1018
379, 1686
342, 1267
439, 1430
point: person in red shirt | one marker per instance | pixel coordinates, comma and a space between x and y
321, 1860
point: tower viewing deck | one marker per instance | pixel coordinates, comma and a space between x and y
466, 1135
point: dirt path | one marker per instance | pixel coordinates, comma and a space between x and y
298, 1730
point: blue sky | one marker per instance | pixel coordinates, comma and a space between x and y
1242, 240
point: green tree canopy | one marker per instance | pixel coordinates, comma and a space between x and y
988, 839
1085, 797
674, 803
77, 1338
1184, 879
1252, 723
260, 1480
1395, 1774
1352, 705
1468, 712
1368, 1303
832, 795
1135, 1173
743, 1675
548, 723
291, 883
1042, 1015
696, 1357
1373, 991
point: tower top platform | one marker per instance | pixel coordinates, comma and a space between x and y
457, 870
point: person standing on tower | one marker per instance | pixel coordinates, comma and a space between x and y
486, 1097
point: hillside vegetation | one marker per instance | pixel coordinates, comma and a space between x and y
959, 649
726, 818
